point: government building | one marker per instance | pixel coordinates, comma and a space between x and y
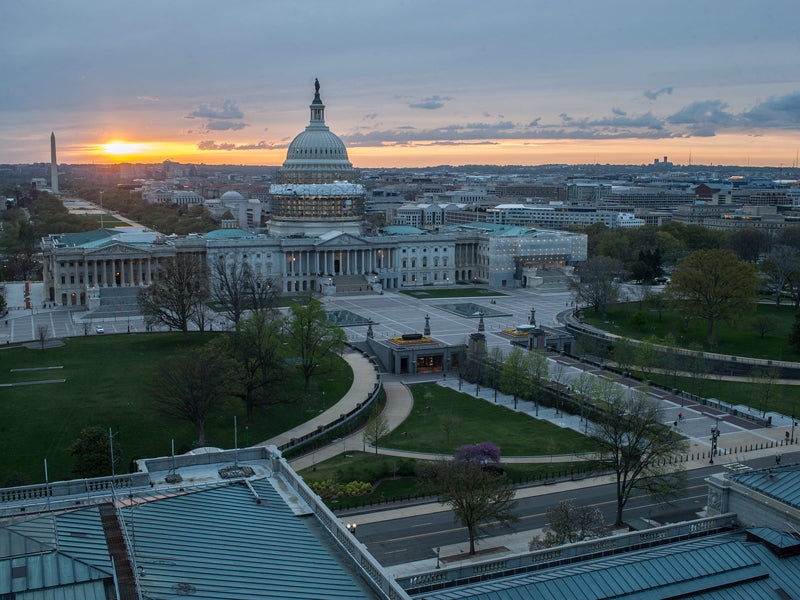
316, 241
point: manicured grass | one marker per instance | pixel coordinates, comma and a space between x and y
443, 419
451, 292
106, 385
738, 341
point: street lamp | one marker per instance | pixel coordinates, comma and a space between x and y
714, 437
351, 527
438, 551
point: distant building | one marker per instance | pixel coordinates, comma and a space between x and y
315, 239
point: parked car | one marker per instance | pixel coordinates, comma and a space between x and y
100, 329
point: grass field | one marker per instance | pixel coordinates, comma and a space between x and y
740, 341
429, 292
106, 379
443, 419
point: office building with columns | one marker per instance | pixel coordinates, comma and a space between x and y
316, 240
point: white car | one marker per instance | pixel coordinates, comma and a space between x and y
100, 329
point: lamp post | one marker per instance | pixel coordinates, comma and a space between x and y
714, 437
351, 527
438, 551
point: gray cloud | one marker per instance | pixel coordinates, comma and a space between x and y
781, 112
653, 95
212, 145
618, 112
431, 103
703, 118
225, 125
226, 110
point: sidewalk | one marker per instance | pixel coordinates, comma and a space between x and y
364, 380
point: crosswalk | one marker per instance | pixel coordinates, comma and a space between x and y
738, 467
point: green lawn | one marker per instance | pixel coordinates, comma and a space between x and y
740, 341
429, 292
443, 419
106, 379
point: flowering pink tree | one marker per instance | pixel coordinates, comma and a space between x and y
480, 454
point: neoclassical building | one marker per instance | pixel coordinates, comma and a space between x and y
315, 240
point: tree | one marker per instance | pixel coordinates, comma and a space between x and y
568, 524
513, 377
476, 496
794, 334
232, 281
599, 282
635, 443
312, 336
191, 384
257, 346
781, 266
767, 390
173, 298
764, 324
42, 333
713, 285
536, 375
377, 426
483, 453
92, 453
748, 243
623, 352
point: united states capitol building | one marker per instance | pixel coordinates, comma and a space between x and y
316, 240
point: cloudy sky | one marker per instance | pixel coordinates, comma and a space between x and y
405, 82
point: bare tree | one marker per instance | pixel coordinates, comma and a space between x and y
173, 298
257, 346
636, 445
377, 426
232, 279
568, 524
599, 282
42, 333
781, 266
192, 383
477, 496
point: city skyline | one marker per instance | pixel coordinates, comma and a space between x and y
405, 84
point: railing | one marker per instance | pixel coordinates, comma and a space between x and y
552, 557
344, 418
374, 573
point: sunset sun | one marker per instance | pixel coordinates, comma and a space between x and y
118, 148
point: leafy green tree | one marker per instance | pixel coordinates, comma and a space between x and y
513, 379
635, 444
713, 285
537, 375
748, 243
377, 426
92, 453
312, 336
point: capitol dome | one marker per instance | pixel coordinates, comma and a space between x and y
317, 188
316, 155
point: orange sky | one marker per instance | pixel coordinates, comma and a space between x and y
729, 149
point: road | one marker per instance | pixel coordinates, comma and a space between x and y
402, 540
